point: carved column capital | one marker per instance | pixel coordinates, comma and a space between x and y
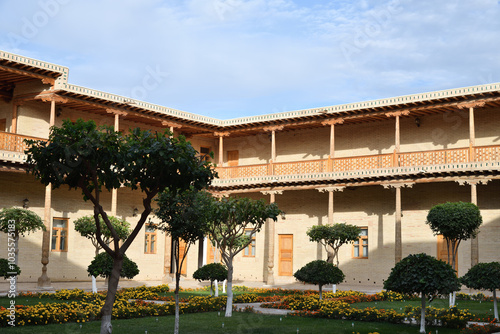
51, 97
171, 124
398, 185
221, 134
333, 121
272, 192
470, 104
331, 189
273, 128
397, 113
116, 112
472, 181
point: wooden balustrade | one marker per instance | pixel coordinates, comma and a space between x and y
406, 159
14, 142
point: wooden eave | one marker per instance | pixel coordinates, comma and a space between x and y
14, 73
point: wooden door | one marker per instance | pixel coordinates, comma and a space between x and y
285, 257
182, 251
3, 123
442, 251
232, 158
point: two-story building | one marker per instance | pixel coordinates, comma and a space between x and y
380, 165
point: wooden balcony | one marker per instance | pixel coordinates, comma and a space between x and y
365, 163
12, 147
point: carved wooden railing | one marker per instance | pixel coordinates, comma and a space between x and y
368, 162
14, 142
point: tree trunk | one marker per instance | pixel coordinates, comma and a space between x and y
229, 303
107, 309
320, 292
495, 306
211, 287
216, 288
177, 281
422, 315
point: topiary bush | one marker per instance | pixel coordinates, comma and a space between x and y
319, 272
102, 265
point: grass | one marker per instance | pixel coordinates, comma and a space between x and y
482, 310
211, 323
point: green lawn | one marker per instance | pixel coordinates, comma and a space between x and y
483, 309
208, 323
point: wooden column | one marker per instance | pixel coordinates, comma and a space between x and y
472, 132
331, 203
167, 259
398, 242
114, 192
171, 126
273, 130
271, 239
331, 154
474, 246
44, 280
13, 124
397, 141
221, 136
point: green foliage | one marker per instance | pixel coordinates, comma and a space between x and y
319, 272
422, 273
233, 217
334, 236
455, 221
87, 228
6, 267
483, 276
25, 221
184, 214
211, 272
102, 265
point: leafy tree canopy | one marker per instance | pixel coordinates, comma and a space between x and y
26, 221
211, 272
319, 272
334, 236
87, 228
102, 265
483, 276
7, 267
422, 273
455, 220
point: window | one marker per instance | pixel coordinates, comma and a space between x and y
60, 235
360, 246
205, 153
150, 240
250, 249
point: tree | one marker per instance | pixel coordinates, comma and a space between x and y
456, 221
184, 216
484, 276
102, 265
87, 228
19, 222
211, 272
333, 236
422, 273
234, 221
319, 272
90, 158
6, 269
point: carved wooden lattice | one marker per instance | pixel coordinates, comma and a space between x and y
487, 153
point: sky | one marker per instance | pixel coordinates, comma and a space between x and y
236, 58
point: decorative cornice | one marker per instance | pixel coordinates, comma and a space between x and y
398, 185
273, 128
470, 104
331, 189
116, 112
333, 121
397, 113
48, 81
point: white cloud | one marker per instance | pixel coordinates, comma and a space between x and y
228, 58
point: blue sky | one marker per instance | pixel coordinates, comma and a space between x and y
234, 58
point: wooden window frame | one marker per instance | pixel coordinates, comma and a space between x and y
360, 245
56, 231
150, 237
251, 247
206, 155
